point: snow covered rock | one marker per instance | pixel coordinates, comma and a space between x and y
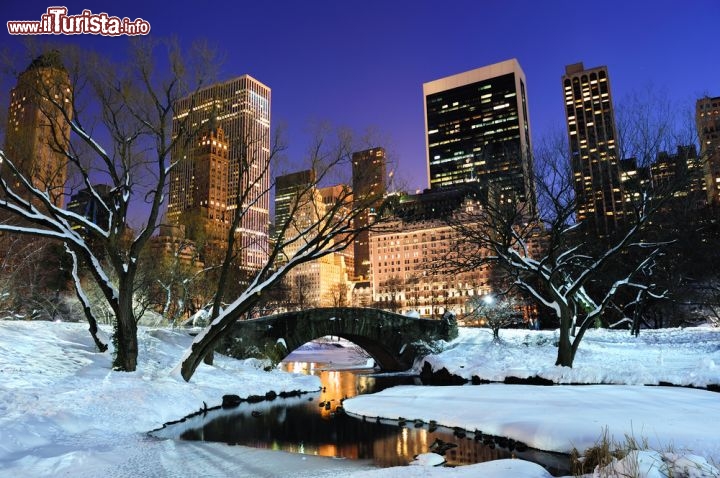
653, 464
428, 459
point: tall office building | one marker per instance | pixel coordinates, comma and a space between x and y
679, 173
369, 171
332, 197
288, 188
707, 119
37, 131
241, 107
85, 204
593, 147
477, 130
210, 191
322, 282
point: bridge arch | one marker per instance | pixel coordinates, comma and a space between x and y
394, 341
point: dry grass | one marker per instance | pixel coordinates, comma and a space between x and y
606, 450
601, 454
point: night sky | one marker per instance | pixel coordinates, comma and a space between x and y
362, 64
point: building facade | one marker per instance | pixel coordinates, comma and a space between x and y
477, 130
241, 108
287, 188
210, 191
678, 174
682, 171
340, 196
369, 173
322, 282
38, 129
406, 277
592, 137
409, 253
707, 119
85, 204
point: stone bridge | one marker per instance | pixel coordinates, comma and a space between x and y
392, 340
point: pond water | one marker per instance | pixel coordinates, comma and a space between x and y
313, 423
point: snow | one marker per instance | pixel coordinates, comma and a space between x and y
490, 469
428, 459
688, 356
579, 414
338, 354
653, 464
64, 412
559, 418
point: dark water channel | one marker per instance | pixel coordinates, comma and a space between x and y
313, 424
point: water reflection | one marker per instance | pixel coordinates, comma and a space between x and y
313, 425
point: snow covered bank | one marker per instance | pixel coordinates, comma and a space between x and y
338, 354
64, 412
560, 418
688, 356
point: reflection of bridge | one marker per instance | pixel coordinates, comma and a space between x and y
393, 340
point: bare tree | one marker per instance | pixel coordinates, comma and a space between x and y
494, 313
172, 279
32, 277
550, 258
301, 292
394, 287
135, 106
339, 294
313, 230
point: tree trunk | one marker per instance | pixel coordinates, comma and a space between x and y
126, 342
565, 354
206, 345
85, 303
93, 329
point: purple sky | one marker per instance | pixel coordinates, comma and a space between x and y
362, 64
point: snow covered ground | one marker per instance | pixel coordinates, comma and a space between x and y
63, 412
560, 418
339, 354
688, 356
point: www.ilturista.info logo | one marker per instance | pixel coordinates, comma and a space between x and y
57, 22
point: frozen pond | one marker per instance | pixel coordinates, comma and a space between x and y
313, 424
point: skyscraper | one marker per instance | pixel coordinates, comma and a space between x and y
477, 130
85, 204
332, 197
368, 175
707, 119
593, 147
321, 282
287, 189
37, 130
210, 192
241, 107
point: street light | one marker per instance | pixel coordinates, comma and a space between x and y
488, 299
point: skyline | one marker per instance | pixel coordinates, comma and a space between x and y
363, 65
